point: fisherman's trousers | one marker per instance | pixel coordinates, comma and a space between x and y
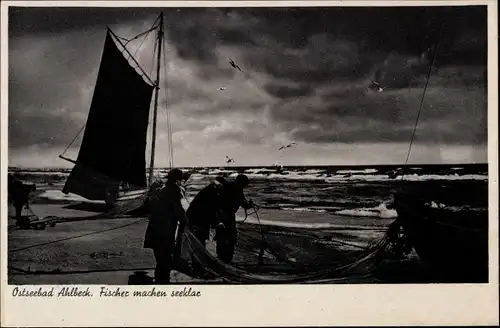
162, 240
226, 242
201, 234
163, 257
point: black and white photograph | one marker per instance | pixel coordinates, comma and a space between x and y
248, 145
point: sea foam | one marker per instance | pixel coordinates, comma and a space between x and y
381, 211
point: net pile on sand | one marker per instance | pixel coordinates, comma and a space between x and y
284, 255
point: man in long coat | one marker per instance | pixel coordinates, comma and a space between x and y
166, 213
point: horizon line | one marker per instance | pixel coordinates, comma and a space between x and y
264, 166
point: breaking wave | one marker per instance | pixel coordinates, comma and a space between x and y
452, 208
295, 176
365, 171
312, 225
304, 209
380, 211
330, 175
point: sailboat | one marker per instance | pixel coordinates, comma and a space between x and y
111, 163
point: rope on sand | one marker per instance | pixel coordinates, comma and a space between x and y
62, 272
75, 237
229, 273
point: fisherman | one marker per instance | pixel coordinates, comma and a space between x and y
203, 214
19, 194
166, 213
231, 200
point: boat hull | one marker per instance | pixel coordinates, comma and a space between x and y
128, 201
454, 244
135, 202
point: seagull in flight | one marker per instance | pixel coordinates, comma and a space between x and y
379, 88
234, 64
222, 88
287, 146
229, 160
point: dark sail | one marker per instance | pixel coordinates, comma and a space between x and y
113, 148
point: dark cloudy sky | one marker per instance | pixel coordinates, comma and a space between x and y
306, 78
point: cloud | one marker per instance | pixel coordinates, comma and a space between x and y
284, 91
54, 21
448, 115
306, 76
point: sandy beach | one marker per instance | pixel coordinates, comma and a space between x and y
108, 251
312, 217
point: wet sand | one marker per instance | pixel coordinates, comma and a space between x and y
119, 245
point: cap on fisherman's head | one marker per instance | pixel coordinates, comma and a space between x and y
175, 175
242, 180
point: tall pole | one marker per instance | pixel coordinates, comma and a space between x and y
155, 108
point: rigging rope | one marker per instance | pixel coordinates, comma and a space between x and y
65, 150
167, 112
140, 45
155, 26
431, 66
146, 34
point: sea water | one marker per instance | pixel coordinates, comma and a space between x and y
345, 191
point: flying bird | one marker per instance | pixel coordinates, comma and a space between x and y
222, 88
287, 146
229, 160
234, 64
379, 88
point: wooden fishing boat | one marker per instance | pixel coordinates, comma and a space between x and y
453, 243
111, 165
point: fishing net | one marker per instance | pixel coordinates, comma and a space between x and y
274, 254
283, 263
266, 253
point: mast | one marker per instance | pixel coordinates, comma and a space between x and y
155, 107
